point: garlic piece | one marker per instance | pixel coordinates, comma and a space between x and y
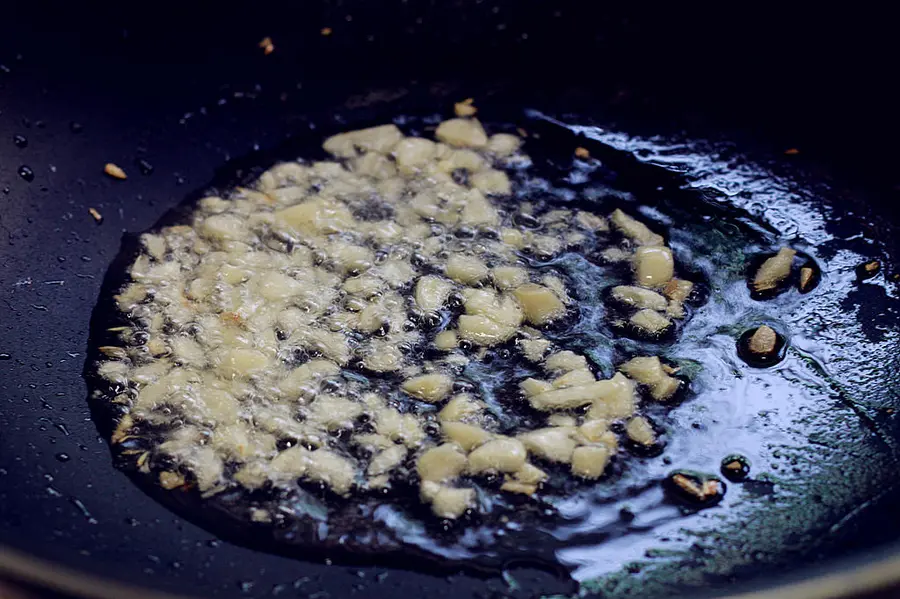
774, 271
590, 462
539, 303
462, 133
635, 229
653, 266
428, 387
499, 455
440, 464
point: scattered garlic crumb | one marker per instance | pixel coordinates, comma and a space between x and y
466, 108
114, 171
267, 45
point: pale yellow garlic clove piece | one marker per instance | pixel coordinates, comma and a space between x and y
446, 340
649, 371
242, 362
467, 270
428, 387
460, 407
413, 154
634, 229
650, 322
590, 462
387, 460
375, 139
554, 443
499, 455
638, 297
618, 400
431, 292
507, 278
639, 430
442, 463
653, 266
467, 436
774, 271
539, 303
503, 144
462, 133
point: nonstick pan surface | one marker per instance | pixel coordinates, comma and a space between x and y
174, 109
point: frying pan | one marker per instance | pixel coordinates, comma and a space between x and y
181, 97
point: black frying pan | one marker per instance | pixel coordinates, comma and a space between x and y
175, 97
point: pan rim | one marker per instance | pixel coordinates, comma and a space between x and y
850, 580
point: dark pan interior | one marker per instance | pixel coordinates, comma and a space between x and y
191, 95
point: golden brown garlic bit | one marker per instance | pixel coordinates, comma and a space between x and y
868, 270
114, 171
763, 341
267, 45
807, 279
701, 491
696, 489
466, 108
774, 271
95, 215
582, 153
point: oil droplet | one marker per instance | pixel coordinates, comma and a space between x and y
20, 140
145, 167
76, 127
246, 586
63, 457
26, 173
5, 356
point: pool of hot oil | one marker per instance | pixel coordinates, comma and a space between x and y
593, 528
